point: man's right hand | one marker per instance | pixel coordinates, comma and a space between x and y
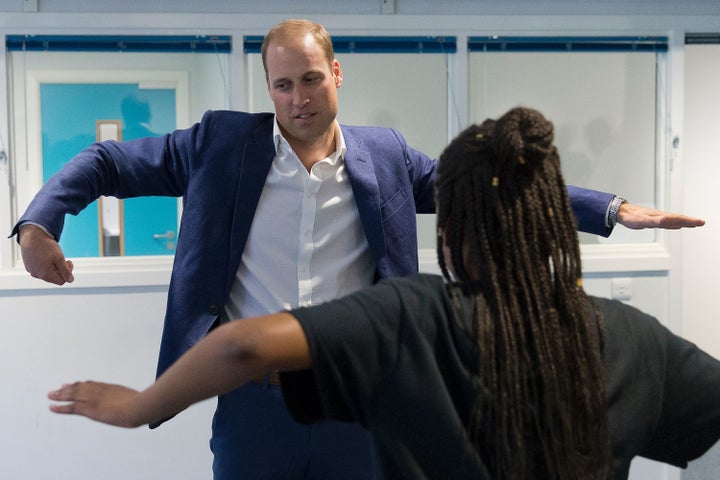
43, 257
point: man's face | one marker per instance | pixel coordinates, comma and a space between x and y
303, 87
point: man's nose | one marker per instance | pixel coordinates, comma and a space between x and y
300, 96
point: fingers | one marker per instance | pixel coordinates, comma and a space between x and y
636, 217
65, 408
99, 401
682, 221
59, 274
671, 221
66, 393
65, 270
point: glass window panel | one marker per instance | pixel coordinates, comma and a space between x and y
603, 105
58, 98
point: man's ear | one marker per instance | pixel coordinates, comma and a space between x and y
337, 73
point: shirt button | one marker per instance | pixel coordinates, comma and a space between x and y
214, 310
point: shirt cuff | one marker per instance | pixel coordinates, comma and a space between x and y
42, 227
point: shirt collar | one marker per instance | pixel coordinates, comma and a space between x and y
340, 147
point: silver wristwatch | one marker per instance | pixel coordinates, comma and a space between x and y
614, 209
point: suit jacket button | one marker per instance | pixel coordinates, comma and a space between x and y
214, 310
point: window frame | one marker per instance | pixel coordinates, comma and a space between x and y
652, 256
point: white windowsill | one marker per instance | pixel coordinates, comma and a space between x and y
154, 271
626, 257
98, 273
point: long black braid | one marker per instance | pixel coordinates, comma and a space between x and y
504, 214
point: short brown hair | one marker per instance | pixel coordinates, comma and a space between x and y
298, 28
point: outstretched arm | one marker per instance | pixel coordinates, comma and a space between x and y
592, 212
636, 217
227, 358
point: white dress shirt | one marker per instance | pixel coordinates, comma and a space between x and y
306, 242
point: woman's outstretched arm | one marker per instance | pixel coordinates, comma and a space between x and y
227, 358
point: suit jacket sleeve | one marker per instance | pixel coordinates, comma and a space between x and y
156, 166
590, 208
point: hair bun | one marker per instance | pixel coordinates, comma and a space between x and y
523, 135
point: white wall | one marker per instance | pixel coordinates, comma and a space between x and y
701, 159
55, 336
107, 326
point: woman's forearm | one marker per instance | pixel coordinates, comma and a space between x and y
227, 358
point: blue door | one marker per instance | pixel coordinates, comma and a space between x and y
68, 118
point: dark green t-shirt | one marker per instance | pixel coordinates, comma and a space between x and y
394, 359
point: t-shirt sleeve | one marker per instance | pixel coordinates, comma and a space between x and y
666, 390
689, 423
353, 343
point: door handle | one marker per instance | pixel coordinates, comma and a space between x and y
169, 235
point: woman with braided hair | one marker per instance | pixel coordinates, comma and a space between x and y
502, 368
512, 246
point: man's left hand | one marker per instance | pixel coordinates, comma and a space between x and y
636, 218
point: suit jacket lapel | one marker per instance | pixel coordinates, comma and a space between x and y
366, 192
257, 159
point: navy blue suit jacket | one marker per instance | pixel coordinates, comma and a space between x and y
219, 167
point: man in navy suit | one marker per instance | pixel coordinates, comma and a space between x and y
279, 211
